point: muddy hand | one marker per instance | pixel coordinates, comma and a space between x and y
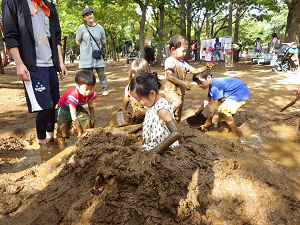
207, 124
92, 123
154, 157
78, 127
187, 86
210, 65
203, 128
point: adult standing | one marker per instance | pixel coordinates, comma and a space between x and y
71, 55
239, 50
217, 49
195, 50
257, 46
87, 35
126, 53
274, 42
32, 33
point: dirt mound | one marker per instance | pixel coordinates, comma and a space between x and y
106, 179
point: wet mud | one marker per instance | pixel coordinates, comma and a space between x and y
105, 178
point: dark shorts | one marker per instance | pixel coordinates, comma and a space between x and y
42, 91
64, 120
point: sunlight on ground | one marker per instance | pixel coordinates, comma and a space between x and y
281, 147
285, 132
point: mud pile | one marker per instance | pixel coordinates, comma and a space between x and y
106, 179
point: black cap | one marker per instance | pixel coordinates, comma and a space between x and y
86, 10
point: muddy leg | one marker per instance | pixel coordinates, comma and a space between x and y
230, 122
225, 127
176, 102
61, 143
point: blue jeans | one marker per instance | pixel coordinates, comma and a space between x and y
218, 53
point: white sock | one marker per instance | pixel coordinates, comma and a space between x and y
49, 134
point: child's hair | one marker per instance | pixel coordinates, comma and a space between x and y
274, 35
217, 39
258, 39
203, 75
85, 77
143, 82
177, 41
126, 42
138, 65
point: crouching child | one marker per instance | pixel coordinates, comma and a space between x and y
71, 107
233, 91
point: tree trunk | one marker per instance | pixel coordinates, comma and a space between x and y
182, 18
133, 38
113, 45
198, 34
207, 27
188, 28
237, 21
160, 33
230, 18
293, 21
142, 26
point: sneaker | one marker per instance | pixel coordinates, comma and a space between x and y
105, 93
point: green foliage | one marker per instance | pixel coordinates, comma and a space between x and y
116, 17
251, 27
120, 19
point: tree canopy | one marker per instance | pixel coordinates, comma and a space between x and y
129, 20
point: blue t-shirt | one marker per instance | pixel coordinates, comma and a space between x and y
230, 88
125, 52
217, 46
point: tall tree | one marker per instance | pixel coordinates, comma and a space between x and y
237, 21
292, 33
188, 26
143, 6
230, 18
182, 18
161, 8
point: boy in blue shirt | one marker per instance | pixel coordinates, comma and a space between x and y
234, 91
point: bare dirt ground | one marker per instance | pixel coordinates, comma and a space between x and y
105, 178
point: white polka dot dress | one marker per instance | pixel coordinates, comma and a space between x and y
154, 128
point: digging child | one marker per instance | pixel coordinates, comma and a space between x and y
175, 71
71, 110
234, 91
160, 130
138, 110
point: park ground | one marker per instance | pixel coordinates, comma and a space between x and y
212, 178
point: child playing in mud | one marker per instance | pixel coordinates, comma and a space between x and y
175, 71
159, 127
234, 91
138, 110
71, 110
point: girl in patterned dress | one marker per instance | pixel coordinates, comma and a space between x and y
159, 127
